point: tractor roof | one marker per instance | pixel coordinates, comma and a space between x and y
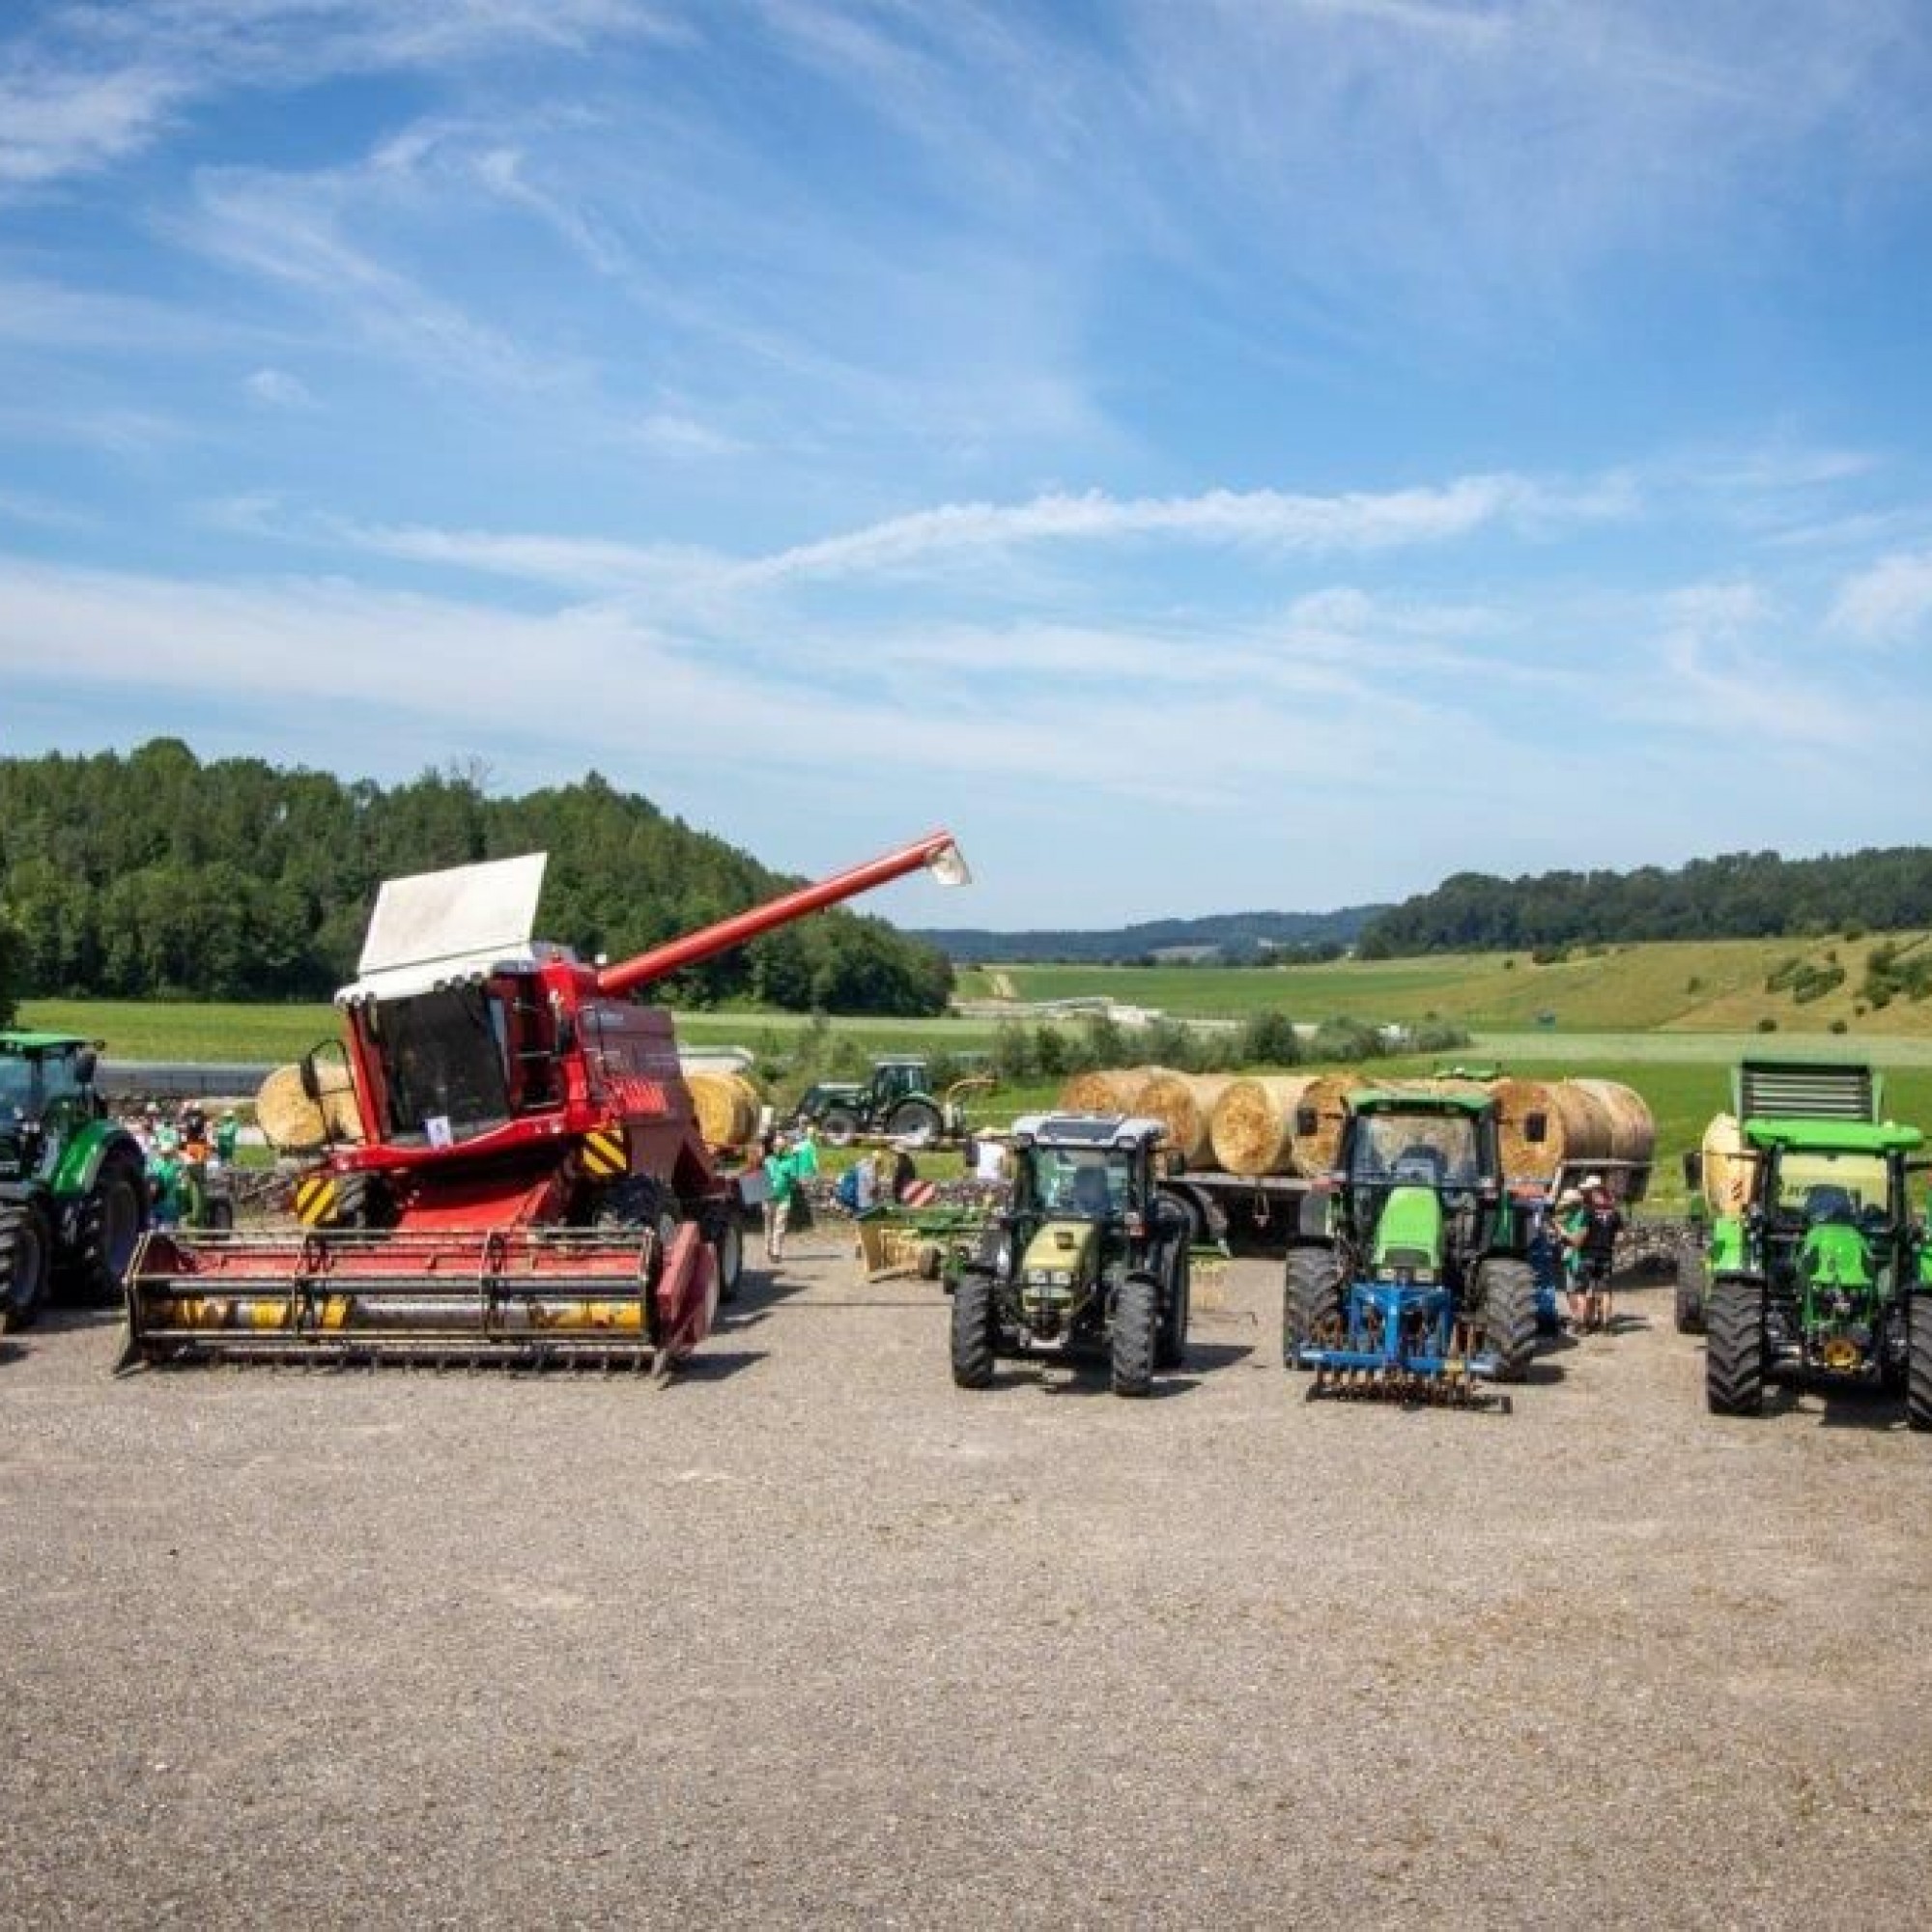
1087, 1130
1406, 1101
1834, 1136
38, 1042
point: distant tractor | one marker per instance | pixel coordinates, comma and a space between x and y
1417, 1279
1088, 1257
897, 1100
73, 1196
1823, 1276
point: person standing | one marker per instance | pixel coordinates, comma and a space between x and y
227, 1136
781, 1185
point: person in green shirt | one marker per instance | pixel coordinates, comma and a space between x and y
166, 1180
781, 1185
227, 1136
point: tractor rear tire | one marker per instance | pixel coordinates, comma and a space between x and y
916, 1122
1734, 1355
1171, 1351
1509, 1315
1136, 1335
1311, 1301
840, 1128
1918, 1361
1693, 1288
972, 1330
26, 1264
109, 1226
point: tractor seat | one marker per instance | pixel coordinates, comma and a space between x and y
1091, 1192
1829, 1203
1419, 1166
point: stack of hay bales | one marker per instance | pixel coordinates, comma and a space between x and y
1108, 1091
293, 1123
1581, 1122
1281, 1123
1184, 1103
727, 1106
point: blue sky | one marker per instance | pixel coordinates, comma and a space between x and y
1208, 455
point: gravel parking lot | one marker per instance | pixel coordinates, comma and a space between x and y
810, 1637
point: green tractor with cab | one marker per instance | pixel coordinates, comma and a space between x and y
895, 1100
1089, 1256
74, 1190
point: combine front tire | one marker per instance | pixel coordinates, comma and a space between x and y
109, 1224
1919, 1362
973, 1324
26, 1264
1509, 1316
1734, 1355
1311, 1301
1136, 1328
1693, 1285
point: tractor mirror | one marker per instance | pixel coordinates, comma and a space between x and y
85, 1064
1693, 1170
1536, 1128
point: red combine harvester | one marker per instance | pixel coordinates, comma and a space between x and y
528, 1184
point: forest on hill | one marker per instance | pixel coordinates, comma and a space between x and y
1236, 939
153, 874
1737, 896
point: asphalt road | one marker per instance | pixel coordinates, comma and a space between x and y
810, 1637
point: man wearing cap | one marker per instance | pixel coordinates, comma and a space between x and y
1587, 1222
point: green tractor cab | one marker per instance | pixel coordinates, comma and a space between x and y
73, 1196
1089, 1256
897, 1100
1825, 1277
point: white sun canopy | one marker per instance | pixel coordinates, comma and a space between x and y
435, 927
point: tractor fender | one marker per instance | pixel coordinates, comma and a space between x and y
1207, 1219
84, 1154
1727, 1245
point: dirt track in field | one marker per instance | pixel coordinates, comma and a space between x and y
810, 1637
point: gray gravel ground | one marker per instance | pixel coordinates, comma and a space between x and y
810, 1638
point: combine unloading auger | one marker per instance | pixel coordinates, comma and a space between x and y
528, 1184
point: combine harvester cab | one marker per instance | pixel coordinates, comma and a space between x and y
515, 1171
1417, 1285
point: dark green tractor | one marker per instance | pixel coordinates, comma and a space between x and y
1825, 1276
897, 1100
74, 1191
1089, 1256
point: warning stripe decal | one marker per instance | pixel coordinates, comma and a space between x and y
604, 1154
315, 1198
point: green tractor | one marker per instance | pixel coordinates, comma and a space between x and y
1415, 1273
897, 1100
1089, 1256
1823, 1276
74, 1192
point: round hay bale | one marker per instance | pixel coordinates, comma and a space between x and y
1632, 1131
1544, 1125
727, 1106
293, 1123
1184, 1103
1318, 1118
1727, 1169
1107, 1090
1252, 1127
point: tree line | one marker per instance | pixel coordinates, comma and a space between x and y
1736, 895
154, 875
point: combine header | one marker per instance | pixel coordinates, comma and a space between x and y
528, 1184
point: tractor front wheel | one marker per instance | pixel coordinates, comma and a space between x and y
1734, 1355
26, 1264
1135, 1338
1693, 1282
1509, 1315
1919, 1362
973, 1324
1311, 1303
109, 1224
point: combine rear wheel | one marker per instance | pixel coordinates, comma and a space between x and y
1734, 1357
109, 1225
26, 1264
973, 1324
1918, 1366
1509, 1315
1692, 1285
1136, 1327
1172, 1352
1311, 1301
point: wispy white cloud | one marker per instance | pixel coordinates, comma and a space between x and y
277, 389
1888, 601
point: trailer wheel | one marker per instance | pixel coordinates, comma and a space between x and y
1694, 1284
1919, 1363
1734, 1357
973, 1324
1136, 1329
1509, 1314
26, 1264
109, 1225
1311, 1301
1172, 1352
